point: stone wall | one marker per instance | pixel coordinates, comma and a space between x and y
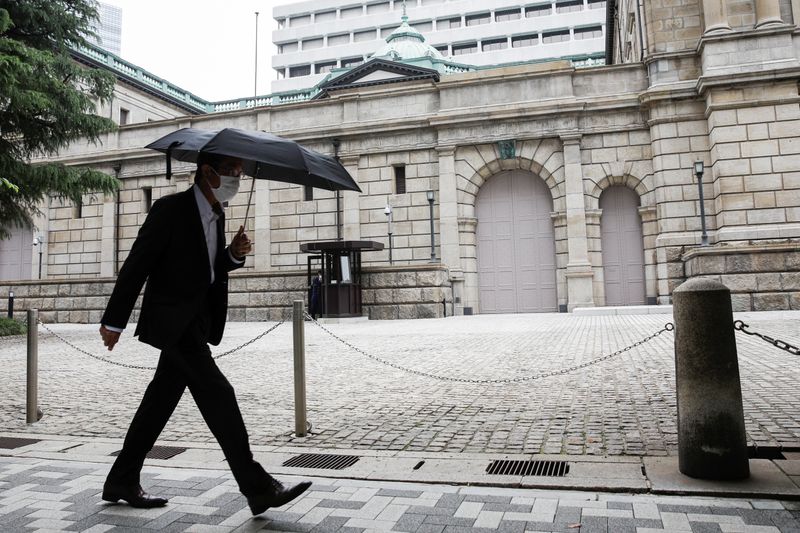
762, 277
388, 293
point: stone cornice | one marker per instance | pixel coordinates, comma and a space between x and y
739, 34
706, 82
726, 249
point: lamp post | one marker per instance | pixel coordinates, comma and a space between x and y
698, 171
388, 212
39, 241
433, 243
255, 70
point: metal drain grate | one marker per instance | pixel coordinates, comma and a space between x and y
10, 443
530, 467
322, 460
160, 452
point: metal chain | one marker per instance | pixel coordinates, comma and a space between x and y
783, 345
667, 327
139, 367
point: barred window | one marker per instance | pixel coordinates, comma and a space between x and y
538, 11
300, 21
287, 48
588, 33
524, 40
555, 36
308, 193
400, 179
361, 36
446, 24
597, 4
474, 20
336, 40
312, 44
510, 14
444, 49
468, 48
494, 44
352, 62
352, 12
377, 8
321, 68
569, 6
325, 16
301, 70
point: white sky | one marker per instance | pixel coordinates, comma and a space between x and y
206, 47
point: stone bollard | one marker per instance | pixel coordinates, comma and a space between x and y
711, 435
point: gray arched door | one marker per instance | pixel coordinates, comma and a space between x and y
516, 245
623, 248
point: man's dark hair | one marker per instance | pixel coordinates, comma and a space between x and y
206, 158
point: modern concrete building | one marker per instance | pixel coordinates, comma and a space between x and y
316, 36
551, 186
109, 28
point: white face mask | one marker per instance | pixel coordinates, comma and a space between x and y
228, 187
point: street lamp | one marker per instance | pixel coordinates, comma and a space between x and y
39, 241
433, 244
698, 171
388, 212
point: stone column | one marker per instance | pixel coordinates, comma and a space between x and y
107, 237
579, 269
715, 13
768, 13
449, 242
261, 227
351, 210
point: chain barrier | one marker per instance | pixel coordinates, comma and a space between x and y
669, 326
741, 326
140, 367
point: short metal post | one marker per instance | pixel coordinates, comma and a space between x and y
11, 304
444, 307
299, 369
32, 401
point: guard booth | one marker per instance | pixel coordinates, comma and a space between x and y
340, 263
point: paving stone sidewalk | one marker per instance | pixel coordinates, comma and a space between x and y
47, 495
622, 406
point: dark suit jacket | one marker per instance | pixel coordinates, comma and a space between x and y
170, 252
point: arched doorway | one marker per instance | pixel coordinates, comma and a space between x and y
623, 248
516, 245
15, 255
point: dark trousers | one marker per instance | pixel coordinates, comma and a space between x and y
189, 364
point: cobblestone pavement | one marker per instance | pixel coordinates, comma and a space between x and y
47, 495
624, 405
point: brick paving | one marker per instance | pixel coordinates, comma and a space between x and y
51, 495
622, 406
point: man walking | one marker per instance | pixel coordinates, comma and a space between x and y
180, 251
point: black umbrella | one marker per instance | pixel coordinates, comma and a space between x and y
264, 156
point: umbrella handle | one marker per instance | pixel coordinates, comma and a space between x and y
169, 157
250, 198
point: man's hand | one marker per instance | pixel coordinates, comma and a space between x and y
241, 245
110, 338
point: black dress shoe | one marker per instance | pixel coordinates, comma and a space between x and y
277, 495
135, 496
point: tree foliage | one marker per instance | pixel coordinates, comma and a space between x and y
47, 101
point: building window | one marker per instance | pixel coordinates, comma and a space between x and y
302, 70
444, 49
308, 193
302, 20
400, 179
147, 199
423, 27
287, 48
386, 31
597, 4
321, 68
352, 12
312, 44
325, 16
511, 14
494, 44
281, 73
446, 24
336, 40
474, 20
524, 40
281, 23
538, 11
588, 33
352, 62
377, 8
361, 36
569, 6
468, 48
555, 36
77, 209
431, 2
124, 116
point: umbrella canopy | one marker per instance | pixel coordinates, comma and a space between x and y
263, 156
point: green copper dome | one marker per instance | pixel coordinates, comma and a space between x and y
406, 43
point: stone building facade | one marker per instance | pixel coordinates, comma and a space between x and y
555, 187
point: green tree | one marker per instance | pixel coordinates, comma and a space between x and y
47, 100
